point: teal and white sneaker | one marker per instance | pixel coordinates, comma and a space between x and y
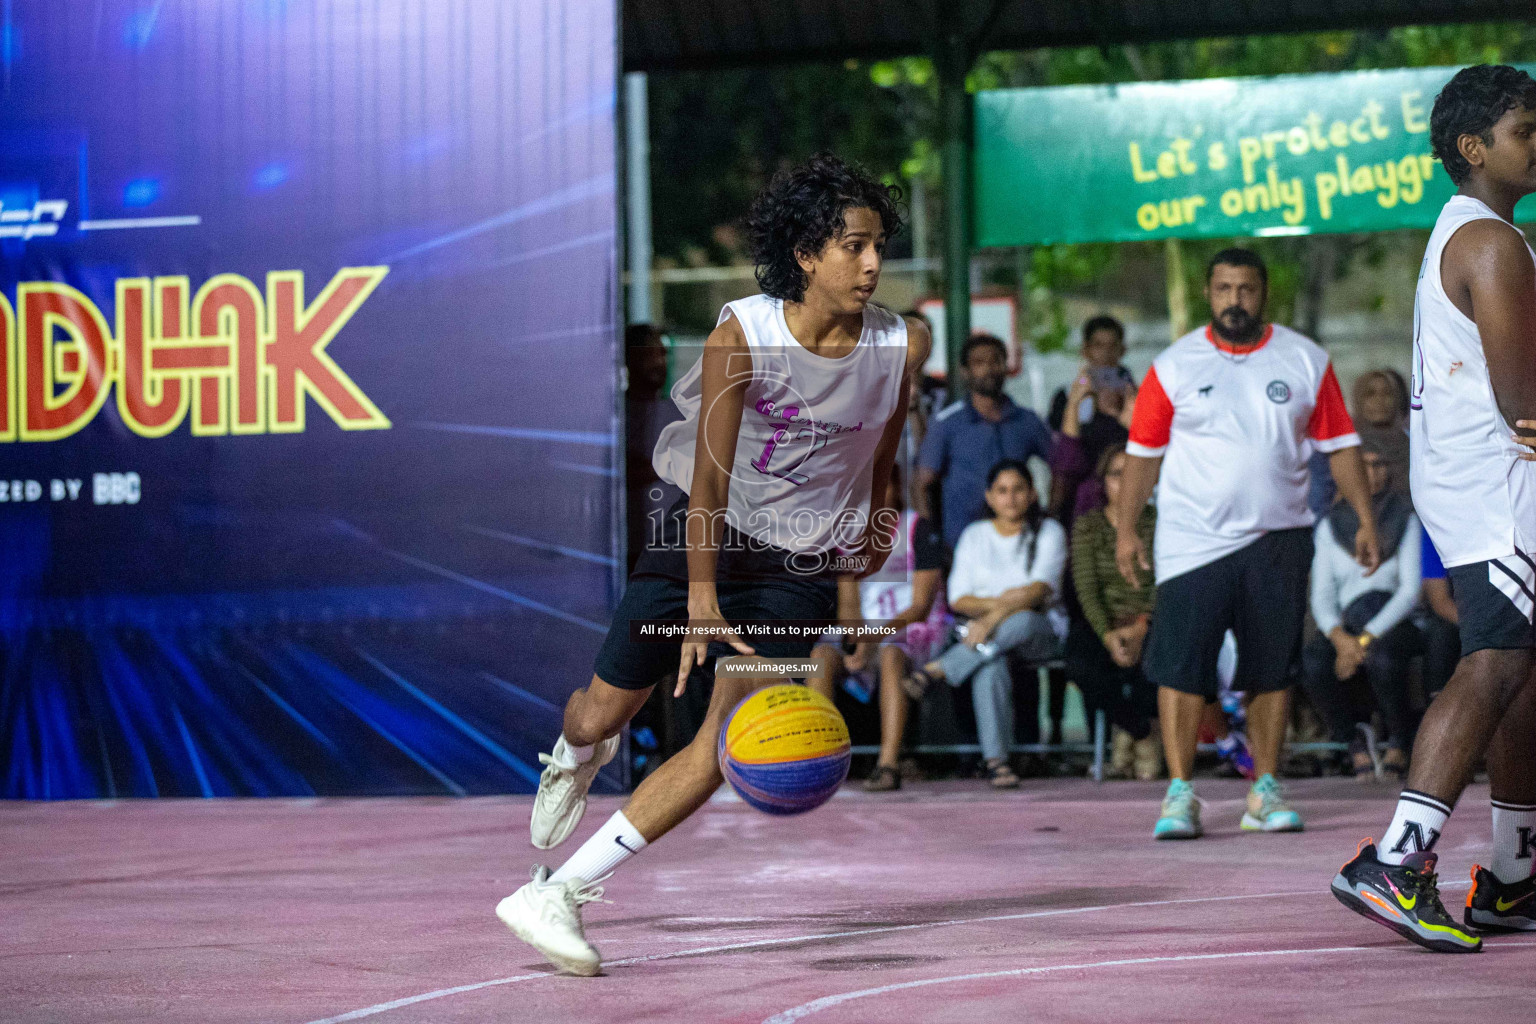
1181, 813
1267, 810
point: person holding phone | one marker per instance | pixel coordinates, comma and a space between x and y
1090, 416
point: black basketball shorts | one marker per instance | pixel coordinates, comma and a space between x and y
1259, 592
753, 582
1494, 603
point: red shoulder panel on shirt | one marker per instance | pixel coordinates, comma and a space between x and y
1330, 418
1152, 419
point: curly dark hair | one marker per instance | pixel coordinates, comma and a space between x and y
1471, 104
802, 208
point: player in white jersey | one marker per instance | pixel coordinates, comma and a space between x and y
1474, 379
793, 415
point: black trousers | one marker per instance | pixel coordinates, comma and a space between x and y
1384, 673
1127, 698
1026, 702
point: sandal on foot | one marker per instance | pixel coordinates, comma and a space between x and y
916, 683
1003, 776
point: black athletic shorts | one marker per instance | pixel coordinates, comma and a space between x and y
1489, 616
1258, 592
751, 581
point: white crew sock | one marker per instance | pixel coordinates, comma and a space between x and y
1514, 840
1419, 820
570, 755
610, 846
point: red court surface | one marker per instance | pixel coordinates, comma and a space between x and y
944, 902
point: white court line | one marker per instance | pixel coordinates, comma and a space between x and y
395, 1004
140, 222
827, 1002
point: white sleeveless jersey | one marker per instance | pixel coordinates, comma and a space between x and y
805, 453
1476, 499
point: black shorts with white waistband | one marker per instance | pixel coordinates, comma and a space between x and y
1259, 592
1495, 600
752, 582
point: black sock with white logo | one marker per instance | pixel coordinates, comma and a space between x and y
1419, 820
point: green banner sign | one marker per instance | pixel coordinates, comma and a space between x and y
1288, 155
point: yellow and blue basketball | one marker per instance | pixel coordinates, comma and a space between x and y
785, 749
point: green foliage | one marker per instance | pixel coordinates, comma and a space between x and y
1054, 271
718, 136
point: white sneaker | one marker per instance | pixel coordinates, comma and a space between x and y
547, 916
562, 796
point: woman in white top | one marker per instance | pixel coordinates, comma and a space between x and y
1363, 621
1006, 580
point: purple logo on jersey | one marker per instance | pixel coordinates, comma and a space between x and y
1278, 391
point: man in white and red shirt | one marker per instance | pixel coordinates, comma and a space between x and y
1225, 422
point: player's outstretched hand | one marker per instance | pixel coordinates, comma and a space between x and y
710, 622
1367, 548
1526, 440
1130, 553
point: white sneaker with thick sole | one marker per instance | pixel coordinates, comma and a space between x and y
547, 916
562, 796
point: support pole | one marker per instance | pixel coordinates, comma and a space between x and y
637, 191
1178, 291
954, 62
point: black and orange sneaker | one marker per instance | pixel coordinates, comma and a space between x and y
1495, 906
1404, 897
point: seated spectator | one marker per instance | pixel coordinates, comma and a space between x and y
1104, 645
1439, 622
1381, 413
1090, 417
905, 594
1006, 584
1363, 621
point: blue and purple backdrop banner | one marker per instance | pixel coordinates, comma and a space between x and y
308, 392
